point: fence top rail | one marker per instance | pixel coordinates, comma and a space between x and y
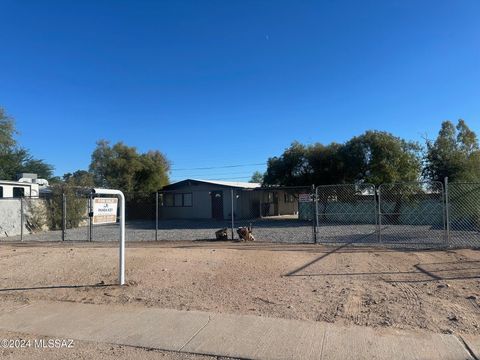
345, 185
424, 187
463, 183
281, 187
411, 183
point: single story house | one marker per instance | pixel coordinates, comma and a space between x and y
212, 199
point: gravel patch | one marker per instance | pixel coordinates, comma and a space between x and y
267, 230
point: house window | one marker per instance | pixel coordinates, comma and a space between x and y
187, 199
289, 198
1, 191
168, 199
178, 200
18, 192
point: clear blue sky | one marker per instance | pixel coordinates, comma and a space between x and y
214, 83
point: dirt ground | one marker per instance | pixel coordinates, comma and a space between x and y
438, 291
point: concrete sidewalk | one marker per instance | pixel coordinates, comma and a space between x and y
241, 336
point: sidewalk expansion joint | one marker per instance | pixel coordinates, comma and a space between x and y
210, 317
323, 343
467, 347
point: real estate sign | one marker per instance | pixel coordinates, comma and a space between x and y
105, 210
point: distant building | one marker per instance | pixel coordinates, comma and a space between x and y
208, 199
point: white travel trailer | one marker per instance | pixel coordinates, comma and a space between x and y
27, 186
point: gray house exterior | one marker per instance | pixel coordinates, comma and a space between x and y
206, 199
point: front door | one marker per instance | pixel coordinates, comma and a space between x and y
217, 205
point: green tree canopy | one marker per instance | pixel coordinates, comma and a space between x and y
15, 159
7, 132
123, 167
455, 154
326, 164
257, 177
379, 157
376, 157
80, 178
291, 168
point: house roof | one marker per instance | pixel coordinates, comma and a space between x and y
231, 184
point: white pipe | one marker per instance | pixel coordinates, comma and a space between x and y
231, 194
121, 271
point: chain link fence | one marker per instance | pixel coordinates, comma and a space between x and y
463, 211
412, 213
346, 213
75, 217
272, 215
419, 214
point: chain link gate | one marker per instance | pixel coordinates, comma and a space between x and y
412, 214
346, 213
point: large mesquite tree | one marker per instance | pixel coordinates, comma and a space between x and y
374, 157
123, 167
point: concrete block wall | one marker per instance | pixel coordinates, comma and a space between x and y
10, 217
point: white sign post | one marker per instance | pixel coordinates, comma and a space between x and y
109, 206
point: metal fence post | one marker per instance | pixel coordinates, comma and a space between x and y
314, 213
447, 213
64, 215
379, 214
260, 204
156, 216
233, 223
317, 223
90, 218
22, 219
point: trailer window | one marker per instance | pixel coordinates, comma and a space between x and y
18, 192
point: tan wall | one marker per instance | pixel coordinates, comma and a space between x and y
286, 208
280, 207
248, 204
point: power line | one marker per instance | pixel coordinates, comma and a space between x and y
218, 167
229, 178
218, 174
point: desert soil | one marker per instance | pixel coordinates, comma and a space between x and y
436, 290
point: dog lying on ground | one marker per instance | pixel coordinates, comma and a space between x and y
221, 234
245, 233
